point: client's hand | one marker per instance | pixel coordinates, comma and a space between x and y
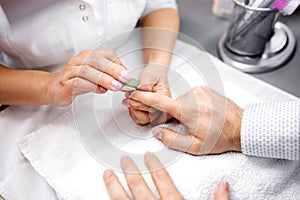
153, 78
138, 187
212, 120
90, 71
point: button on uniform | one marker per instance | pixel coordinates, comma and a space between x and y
82, 7
85, 18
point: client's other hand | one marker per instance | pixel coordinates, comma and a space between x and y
138, 187
212, 120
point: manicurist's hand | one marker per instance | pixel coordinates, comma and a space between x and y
138, 187
90, 71
153, 78
212, 120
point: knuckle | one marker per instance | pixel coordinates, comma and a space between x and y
74, 60
205, 88
85, 52
195, 148
110, 52
133, 182
160, 175
83, 70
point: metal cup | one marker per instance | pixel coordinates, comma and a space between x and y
250, 29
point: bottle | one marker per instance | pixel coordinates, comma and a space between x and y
222, 8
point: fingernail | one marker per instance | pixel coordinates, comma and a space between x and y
157, 132
107, 173
125, 75
116, 84
125, 103
148, 154
145, 87
128, 94
225, 186
102, 89
124, 160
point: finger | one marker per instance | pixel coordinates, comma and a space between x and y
140, 117
162, 119
127, 94
182, 142
113, 186
162, 180
117, 71
80, 86
146, 86
102, 60
135, 180
101, 90
92, 75
136, 105
109, 83
222, 191
158, 101
111, 55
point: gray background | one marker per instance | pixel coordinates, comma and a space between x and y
198, 22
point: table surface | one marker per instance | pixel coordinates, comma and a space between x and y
198, 22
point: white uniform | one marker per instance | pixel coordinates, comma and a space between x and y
56, 33
47, 38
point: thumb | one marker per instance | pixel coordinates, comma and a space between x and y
146, 87
159, 102
222, 191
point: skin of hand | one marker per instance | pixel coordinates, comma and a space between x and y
159, 36
213, 121
90, 71
153, 78
138, 187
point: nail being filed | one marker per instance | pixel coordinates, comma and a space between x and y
132, 85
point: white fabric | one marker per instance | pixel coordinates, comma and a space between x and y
272, 129
155, 5
58, 32
56, 152
17, 177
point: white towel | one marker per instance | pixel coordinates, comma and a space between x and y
58, 153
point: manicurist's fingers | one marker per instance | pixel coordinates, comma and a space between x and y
94, 76
106, 61
183, 142
135, 180
162, 180
114, 187
80, 86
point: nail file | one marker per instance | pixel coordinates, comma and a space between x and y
130, 86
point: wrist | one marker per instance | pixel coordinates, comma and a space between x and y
47, 90
237, 130
156, 68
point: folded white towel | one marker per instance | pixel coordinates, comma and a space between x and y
58, 153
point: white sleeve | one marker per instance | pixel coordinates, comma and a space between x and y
153, 5
272, 130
